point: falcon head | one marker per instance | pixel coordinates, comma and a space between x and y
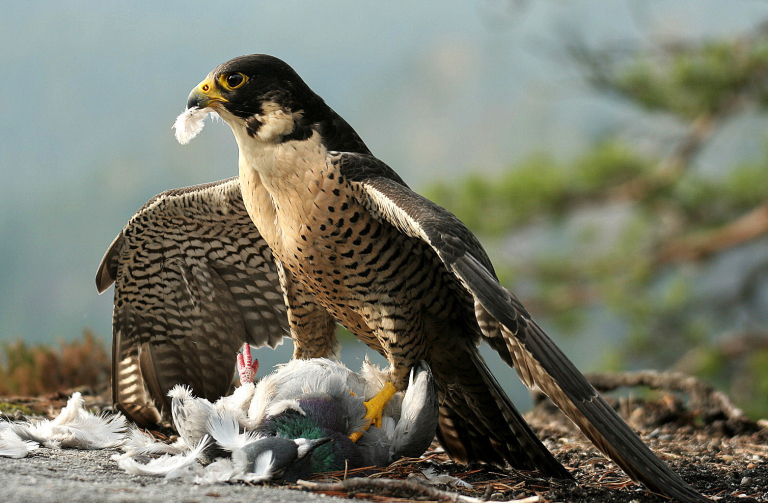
262, 96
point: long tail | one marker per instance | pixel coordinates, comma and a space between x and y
478, 422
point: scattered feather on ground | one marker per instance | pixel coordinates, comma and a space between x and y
73, 428
168, 465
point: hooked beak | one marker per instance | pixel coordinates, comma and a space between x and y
206, 94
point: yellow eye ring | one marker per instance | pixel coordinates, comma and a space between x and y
232, 81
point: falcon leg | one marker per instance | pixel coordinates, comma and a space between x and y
375, 409
313, 329
403, 340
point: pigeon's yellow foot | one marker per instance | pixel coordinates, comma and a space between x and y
375, 409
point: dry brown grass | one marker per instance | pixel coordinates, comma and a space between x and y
39, 369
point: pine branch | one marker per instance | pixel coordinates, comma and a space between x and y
701, 394
703, 244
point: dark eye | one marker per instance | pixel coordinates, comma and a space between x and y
234, 80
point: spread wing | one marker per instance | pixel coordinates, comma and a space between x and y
193, 280
506, 324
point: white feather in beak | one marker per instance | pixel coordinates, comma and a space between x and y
189, 123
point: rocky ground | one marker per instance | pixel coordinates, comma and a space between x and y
720, 454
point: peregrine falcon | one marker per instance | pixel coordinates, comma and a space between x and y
316, 218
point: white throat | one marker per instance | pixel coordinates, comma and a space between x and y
277, 164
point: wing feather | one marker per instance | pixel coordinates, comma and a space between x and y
506, 323
193, 280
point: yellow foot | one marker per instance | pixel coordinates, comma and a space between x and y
375, 408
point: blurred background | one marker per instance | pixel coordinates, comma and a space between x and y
610, 154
